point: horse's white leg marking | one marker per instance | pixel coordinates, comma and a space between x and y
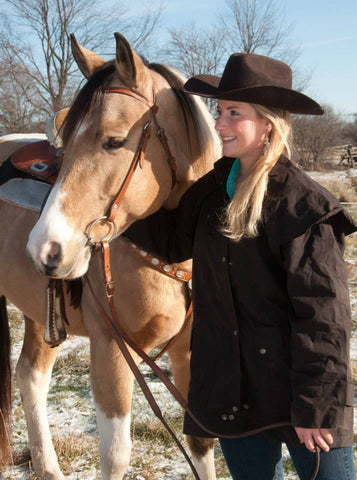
205, 465
114, 444
33, 386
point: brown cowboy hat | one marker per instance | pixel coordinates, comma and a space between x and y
254, 79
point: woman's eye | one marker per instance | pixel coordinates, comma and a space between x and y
217, 114
234, 113
113, 143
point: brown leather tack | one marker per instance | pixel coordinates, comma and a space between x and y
39, 159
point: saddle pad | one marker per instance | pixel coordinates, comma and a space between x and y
39, 159
25, 193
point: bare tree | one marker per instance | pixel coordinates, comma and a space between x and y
255, 26
195, 50
259, 26
350, 130
36, 37
313, 136
17, 113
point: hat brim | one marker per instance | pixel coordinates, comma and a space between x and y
267, 95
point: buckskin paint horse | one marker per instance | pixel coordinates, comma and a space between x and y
101, 135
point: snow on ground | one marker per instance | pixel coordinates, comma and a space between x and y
71, 410
340, 175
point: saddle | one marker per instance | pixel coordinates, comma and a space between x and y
39, 159
27, 176
42, 159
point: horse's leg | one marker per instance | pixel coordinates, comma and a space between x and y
112, 384
201, 448
33, 374
5, 383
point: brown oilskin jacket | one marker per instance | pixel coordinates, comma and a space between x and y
272, 322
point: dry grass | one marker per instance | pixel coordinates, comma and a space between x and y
75, 451
354, 370
344, 192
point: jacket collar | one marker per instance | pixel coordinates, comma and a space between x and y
278, 173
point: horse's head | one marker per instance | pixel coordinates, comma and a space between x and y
106, 135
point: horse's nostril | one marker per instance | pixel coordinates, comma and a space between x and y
55, 251
54, 256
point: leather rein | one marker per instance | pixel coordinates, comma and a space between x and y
112, 320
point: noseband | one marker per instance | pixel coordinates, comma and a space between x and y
138, 158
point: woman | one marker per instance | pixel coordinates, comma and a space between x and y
272, 319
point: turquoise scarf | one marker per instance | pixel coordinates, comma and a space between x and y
232, 177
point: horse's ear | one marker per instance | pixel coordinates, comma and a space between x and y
87, 61
129, 64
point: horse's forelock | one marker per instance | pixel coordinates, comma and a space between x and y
86, 98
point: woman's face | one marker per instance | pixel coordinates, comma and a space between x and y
241, 129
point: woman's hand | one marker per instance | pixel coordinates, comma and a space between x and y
315, 436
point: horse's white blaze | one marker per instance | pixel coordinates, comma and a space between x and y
33, 386
81, 130
114, 444
205, 466
52, 226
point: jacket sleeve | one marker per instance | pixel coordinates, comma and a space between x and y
169, 234
322, 389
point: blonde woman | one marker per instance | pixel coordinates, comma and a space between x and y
272, 321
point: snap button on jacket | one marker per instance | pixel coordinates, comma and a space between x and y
272, 322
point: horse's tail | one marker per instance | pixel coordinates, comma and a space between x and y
5, 383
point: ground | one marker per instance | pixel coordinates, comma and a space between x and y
71, 410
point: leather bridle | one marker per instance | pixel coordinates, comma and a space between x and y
138, 158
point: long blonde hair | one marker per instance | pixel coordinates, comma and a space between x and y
242, 215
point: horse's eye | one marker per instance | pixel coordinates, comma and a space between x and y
113, 143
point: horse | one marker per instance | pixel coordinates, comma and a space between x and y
101, 133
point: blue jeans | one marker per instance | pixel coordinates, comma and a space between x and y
253, 458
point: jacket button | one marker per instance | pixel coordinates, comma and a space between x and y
230, 263
224, 417
235, 409
262, 351
246, 406
223, 259
231, 417
235, 333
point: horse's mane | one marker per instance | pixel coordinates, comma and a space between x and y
91, 94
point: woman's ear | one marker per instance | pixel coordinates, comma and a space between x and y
269, 127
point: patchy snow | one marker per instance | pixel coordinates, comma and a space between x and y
71, 410
331, 175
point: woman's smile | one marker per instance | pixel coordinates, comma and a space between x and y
228, 139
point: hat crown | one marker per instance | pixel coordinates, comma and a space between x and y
250, 70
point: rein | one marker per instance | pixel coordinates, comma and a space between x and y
122, 340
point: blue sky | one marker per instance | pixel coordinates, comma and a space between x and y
326, 31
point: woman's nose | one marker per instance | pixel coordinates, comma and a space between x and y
219, 124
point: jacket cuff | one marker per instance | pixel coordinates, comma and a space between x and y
331, 407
